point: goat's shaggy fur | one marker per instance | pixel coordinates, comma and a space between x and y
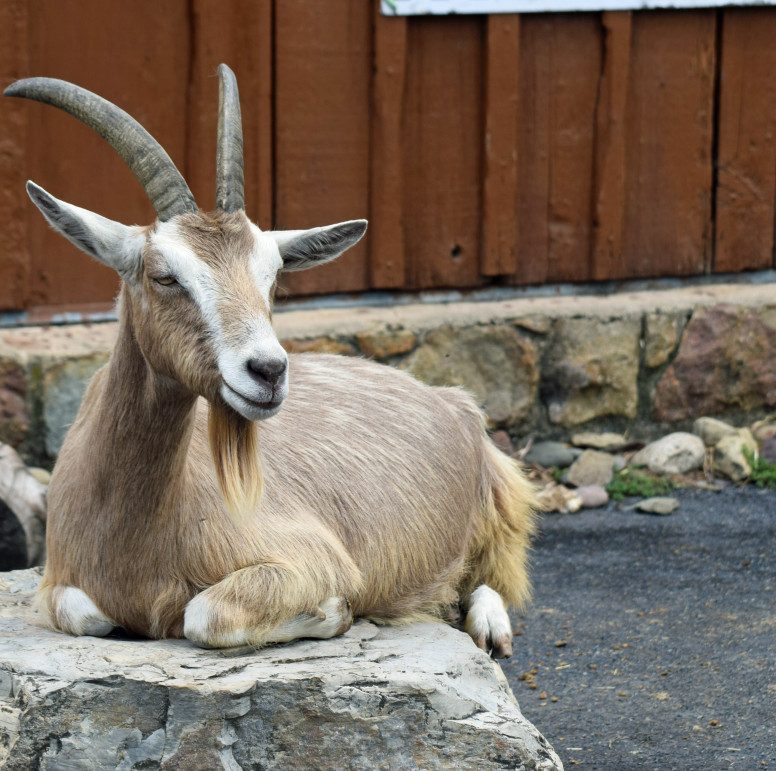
198, 494
376, 488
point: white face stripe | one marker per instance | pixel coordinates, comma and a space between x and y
266, 262
258, 340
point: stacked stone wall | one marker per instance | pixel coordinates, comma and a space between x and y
639, 363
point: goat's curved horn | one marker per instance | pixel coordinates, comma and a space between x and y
230, 180
147, 160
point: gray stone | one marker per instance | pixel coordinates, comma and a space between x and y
384, 342
411, 697
593, 496
608, 442
658, 505
661, 335
764, 429
591, 370
549, 454
711, 430
592, 467
768, 450
676, 453
729, 458
64, 385
726, 361
494, 363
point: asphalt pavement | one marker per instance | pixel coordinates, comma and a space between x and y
651, 640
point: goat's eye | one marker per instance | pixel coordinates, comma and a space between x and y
166, 281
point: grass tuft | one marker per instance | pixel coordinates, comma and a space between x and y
630, 482
763, 473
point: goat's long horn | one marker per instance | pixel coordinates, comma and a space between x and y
230, 180
147, 160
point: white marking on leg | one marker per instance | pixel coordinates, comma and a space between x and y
198, 618
487, 622
334, 619
75, 613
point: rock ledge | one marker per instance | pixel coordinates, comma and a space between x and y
395, 698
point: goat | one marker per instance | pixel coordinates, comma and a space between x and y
186, 503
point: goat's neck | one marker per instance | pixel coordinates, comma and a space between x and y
144, 423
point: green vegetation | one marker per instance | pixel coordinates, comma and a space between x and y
763, 473
629, 482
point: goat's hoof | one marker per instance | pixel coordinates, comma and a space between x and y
75, 613
337, 614
488, 624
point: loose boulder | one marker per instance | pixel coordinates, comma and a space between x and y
421, 696
676, 453
729, 457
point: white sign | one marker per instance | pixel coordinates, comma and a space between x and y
424, 7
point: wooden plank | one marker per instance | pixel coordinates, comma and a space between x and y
140, 66
386, 217
502, 86
443, 151
239, 33
560, 67
746, 159
669, 144
14, 211
611, 155
322, 102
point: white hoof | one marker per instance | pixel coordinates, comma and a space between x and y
75, 613
488, 624
333, 618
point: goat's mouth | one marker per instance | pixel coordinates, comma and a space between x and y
247, 407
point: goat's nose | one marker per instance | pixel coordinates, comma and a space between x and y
267, 371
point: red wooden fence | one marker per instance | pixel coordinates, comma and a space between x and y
505, 149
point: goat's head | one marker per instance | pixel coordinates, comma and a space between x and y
200, 285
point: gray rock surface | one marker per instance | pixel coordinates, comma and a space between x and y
549, 454
658, 505
608, 442
593, 496
676, 453
376, 698
729, 458
592, 468
711, 430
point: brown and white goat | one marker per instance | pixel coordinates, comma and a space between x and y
186, 502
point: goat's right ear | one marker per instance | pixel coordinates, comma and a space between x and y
113, 244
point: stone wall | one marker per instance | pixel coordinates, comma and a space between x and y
640, 363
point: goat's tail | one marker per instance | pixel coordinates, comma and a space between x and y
499, 555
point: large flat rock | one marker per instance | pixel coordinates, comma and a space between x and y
376, 698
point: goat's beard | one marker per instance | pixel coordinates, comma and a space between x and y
234, 445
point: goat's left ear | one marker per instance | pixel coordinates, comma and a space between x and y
302, 249
113, 244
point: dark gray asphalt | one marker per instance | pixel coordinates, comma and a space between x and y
656, 635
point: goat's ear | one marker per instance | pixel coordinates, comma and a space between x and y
113, 244
302, 249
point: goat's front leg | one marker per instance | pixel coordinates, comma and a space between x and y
264, 604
